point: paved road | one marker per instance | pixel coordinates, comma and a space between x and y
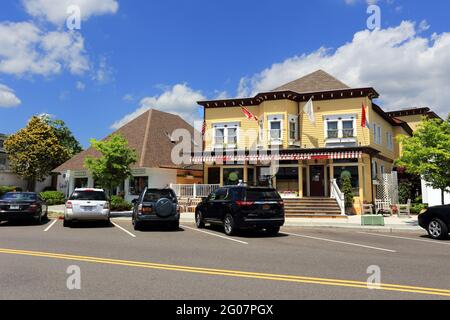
118, 263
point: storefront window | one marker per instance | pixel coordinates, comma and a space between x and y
137, 185
232, 177
81, 183
341, 172
250, 176
263, 177
287, 181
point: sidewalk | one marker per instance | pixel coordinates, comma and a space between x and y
352, 222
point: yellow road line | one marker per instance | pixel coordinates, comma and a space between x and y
232, 273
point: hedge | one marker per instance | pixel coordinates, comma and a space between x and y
119, 204
53, 198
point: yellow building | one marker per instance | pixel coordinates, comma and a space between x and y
311, 156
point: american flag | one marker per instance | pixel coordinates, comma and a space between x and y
248, 114
204, 128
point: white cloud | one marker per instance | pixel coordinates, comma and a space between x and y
80, 86
179, 99
128, 98
8, 98
406, 68
55, 11
104, 73
27, 50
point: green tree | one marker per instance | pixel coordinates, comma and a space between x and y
347, 190
114, 166
427, 153
65, 136
35, 151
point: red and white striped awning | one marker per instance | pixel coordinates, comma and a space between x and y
277, 157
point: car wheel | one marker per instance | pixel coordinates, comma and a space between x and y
175, 225
136, 226
38, 220
438, 229
67, 223
273, 231
229, 225
199, 220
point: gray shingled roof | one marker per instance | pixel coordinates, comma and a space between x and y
314, 82
147, 135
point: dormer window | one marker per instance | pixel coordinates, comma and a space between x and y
226, 135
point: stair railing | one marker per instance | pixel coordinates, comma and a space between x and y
337, 194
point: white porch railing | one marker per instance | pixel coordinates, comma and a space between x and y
337, 194
193, 191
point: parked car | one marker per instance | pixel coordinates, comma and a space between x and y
436, 220
156, 206
87, 205
22, 205
242, 207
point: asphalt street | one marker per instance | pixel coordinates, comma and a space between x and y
117, 262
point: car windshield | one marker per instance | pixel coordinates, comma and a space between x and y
89, 195
153, 195
19, 197
262, 194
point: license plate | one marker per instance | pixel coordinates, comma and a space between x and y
88, 209
266, 207
14, 207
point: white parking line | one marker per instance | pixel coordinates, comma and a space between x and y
340, 242
123, 229
51, 225
216, 235
405, 238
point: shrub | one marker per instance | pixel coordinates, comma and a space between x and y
53, 198
405, 192
417, 207
119, 204
6, 189
347, 189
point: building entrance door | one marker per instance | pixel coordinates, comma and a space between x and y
317, 181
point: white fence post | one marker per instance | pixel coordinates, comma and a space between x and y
195, 191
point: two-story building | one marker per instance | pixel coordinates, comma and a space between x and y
310, 155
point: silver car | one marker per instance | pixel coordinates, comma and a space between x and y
87, 205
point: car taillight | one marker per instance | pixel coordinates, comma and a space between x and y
244, 203
281, 203
69, 205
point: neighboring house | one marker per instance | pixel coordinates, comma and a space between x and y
311, 155
149, 135
414, 117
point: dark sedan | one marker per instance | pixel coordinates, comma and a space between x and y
22, 206
436, 220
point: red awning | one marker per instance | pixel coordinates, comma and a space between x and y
277, 157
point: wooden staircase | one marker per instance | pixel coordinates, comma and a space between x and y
312, 208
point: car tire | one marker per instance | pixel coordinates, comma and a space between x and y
437, 229
199, 220
175, 226
273, 231
38, 220
136, 226
229, 225
67, 223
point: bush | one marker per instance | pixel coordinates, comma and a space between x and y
119, 204
347, 189
6, 189
53, 198
405, 192
417, 207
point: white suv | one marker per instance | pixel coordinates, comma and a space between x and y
87, 205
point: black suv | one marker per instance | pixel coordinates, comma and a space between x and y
156, 206
241, 207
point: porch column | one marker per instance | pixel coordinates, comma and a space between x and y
245, 173
300, 180
361, 179
331, 177
221, 175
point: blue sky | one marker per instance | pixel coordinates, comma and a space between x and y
166, 54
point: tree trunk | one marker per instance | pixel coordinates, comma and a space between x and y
31, 185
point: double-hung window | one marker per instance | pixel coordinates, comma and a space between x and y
293, 129
276, 129
340, 127
226, 135
390, 141
377, 134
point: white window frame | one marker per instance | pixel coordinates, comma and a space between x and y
293, 120
261, 133
340, 119
377, 134
226, 127
273, 119
390, 140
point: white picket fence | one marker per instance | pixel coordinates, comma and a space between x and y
194, 191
